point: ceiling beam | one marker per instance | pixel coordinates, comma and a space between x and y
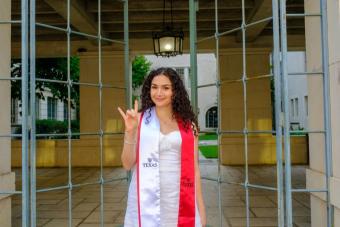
157, 5
80, 19
178, 16
261, 10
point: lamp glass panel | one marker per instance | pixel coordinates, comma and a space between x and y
177, 44
156, 45
166, 44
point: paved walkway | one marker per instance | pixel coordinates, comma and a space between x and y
52, 206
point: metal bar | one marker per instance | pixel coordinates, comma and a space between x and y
303, 14
51, 27
10, 21
10, 135
307, 131
78, 185
128, 82
52, 189
248, 132
246, 79
127, 73
97, 85
263, 187
68, 186
258, 22
209, 178
77, 83
193, 53
85, 184
24, 122
121, 133
10, 78
308, 190
69, 147
207, 131
112, 40
115, 87
235, 29
327, 112
114, 179
128, 79
10, 192
218, 99
233, 183
283, 30
245, 118
52, 81
89, 36
206, 38
73, 134
304, 73
100, 79
278, 110
243, 26
207, 85
32, 113
80, 33
229, 31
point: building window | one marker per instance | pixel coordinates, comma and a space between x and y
65, 111
211, 118
292, 108
51, 108
306, 105
14, 111
296, 107
37, 107
180, 72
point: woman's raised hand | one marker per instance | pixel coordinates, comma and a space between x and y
130, 118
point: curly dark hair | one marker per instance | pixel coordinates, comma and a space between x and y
181, 107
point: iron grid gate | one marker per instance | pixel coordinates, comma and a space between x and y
280, 75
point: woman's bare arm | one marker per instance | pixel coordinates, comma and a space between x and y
131, 120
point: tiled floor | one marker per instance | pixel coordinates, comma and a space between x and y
52, 206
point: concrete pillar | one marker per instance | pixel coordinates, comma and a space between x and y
6, 176
316, 172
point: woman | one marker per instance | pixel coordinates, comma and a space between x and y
161, 148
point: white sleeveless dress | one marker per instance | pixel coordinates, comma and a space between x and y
169, 170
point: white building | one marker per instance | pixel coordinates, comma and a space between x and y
297, 90
47, 108
206, 74
207, 96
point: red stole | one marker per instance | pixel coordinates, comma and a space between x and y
186, 212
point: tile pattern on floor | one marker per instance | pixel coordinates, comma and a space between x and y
52, 206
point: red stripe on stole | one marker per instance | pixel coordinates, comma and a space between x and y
186, 213
137, 161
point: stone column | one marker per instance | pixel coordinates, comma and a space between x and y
316, 172
6, 176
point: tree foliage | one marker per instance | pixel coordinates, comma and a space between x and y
140, 68
53, 69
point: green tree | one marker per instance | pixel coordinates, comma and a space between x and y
140, 68
53, 69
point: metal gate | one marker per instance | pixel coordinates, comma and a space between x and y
280, 76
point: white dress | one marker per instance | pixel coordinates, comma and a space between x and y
169, 170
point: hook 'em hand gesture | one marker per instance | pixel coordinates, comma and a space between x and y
130, 118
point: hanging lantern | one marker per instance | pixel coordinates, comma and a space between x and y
168, 42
